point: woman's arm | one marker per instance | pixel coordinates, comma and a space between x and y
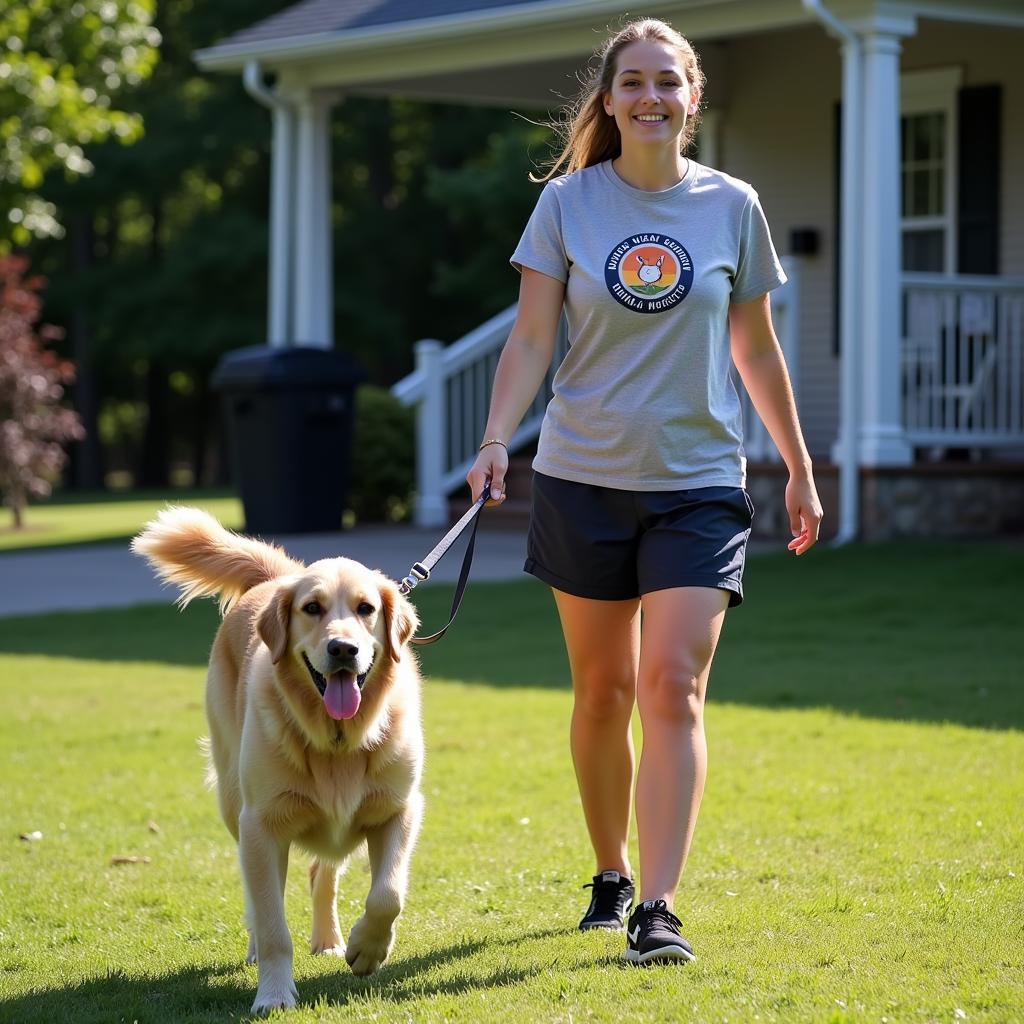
762, 367
524, 361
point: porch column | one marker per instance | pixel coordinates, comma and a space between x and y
282, 208
881, 438
313, 301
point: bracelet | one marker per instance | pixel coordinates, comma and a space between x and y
493, 440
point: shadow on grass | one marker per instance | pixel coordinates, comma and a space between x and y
921, 632
215, 993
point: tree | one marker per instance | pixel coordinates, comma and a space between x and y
33, 425
62, 64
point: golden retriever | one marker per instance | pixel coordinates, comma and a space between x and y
313, 703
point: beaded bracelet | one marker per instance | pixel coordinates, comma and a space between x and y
493, 440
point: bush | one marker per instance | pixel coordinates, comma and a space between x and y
34, 426
383, 457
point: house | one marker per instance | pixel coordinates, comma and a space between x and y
886, 140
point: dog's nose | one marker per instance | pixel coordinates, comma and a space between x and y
341, 648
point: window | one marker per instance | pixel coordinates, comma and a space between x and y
927, 169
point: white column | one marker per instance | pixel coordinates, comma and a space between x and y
282, 214
881, 437
313, 305
431, 507
850, 333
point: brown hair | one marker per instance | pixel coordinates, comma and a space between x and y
589, 135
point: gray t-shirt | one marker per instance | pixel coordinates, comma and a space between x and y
644, 400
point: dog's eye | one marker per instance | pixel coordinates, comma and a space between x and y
365, 608
312, 608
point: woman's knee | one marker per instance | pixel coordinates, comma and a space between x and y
672, 693
603, 695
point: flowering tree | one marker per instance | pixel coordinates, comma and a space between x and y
33, 425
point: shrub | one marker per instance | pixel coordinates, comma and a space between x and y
33, 425
383, 457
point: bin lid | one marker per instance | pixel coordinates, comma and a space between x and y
267, 368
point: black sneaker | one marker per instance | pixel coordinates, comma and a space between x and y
653, 934
609, 903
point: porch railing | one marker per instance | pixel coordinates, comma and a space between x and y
963, 361
451, 389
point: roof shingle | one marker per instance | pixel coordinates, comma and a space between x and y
313, 17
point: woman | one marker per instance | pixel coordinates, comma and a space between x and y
639, 511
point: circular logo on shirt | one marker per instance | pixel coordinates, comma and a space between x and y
648, 273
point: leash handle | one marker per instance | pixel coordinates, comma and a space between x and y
420, 572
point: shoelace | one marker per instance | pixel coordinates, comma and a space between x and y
660, 912
605, 897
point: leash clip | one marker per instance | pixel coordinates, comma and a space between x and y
419, 573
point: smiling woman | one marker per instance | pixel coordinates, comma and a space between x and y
663, 268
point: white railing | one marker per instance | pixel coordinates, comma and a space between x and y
963, 361
451, 389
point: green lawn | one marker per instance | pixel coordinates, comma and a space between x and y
106, 517
860, 854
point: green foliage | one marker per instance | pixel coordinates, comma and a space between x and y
164, 265
383, 457
63, 64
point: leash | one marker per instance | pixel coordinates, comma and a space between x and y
420, 571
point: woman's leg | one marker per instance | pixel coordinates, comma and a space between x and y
681, 628
603, 642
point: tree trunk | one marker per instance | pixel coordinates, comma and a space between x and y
200, 427
86, 456
154, 459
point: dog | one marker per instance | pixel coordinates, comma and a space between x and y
313, 704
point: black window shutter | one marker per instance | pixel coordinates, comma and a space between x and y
980, 108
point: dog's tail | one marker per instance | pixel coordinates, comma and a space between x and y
189, 548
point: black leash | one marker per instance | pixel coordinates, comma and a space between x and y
420, 571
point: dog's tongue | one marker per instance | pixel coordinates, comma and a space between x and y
341, 697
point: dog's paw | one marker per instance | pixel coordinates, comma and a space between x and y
369, 943
329, 947
274, 1001
276, 990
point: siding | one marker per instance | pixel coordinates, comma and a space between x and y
778, 133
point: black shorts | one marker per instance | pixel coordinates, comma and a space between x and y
609, 544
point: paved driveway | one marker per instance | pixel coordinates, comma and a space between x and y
110, 576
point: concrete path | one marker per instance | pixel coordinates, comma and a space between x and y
110, 576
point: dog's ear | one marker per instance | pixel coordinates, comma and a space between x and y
400, 618
273, 622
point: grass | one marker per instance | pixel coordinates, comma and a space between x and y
106, 517
860, 854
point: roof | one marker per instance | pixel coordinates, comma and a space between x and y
312, 17
344, 42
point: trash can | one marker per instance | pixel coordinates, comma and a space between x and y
289, 418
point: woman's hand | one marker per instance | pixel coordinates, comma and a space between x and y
804, 510
492, 461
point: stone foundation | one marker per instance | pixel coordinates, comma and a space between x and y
949, 500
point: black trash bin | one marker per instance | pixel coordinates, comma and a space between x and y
289, 414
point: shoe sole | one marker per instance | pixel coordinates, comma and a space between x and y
665, 954
603, 927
